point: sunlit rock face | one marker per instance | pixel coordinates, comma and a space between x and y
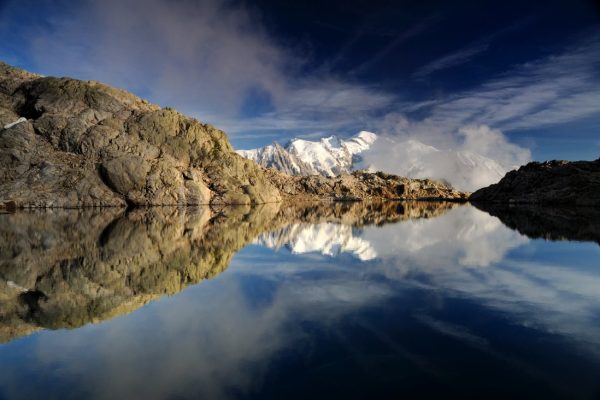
361, 186
83, 143
71, 143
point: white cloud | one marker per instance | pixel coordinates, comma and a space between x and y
493, 144
460, 57
469, 158
551, 90
202, 58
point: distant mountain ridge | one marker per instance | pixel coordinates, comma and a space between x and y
329, 156
332, 156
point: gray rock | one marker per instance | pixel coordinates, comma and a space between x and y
550, 182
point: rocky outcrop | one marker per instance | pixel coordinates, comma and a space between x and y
574, 183
362, 186
65, 268
82, 143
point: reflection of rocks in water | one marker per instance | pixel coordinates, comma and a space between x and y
551, 223
358, 214
66, 268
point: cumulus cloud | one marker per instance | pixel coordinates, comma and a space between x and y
493, 144
470, 157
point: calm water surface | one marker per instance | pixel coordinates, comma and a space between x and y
397, 300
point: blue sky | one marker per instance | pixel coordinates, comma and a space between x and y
271, 70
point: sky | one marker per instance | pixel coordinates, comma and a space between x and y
518, 80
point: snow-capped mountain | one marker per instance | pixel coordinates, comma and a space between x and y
327, 238
332, 156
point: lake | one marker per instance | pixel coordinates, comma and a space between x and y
345, 300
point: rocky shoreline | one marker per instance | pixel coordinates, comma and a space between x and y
72, 143
565, 183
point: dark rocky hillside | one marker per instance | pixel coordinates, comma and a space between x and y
551, 182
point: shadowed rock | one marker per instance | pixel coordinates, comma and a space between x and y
574, 183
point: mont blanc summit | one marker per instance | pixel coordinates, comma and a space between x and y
329, 156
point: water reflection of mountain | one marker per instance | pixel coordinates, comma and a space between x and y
334, 230
550, 223
66, 268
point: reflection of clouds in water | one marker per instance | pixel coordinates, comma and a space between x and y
467, 235
560, 299
209, 340
553, 298
220, 338
464, 236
